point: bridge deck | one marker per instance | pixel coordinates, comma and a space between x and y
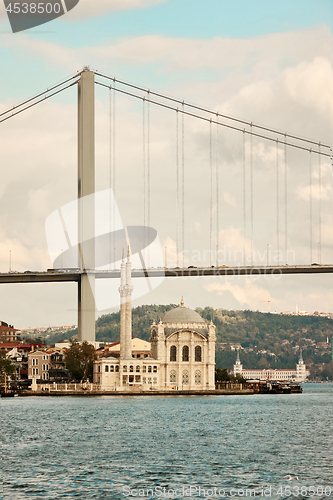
75, 276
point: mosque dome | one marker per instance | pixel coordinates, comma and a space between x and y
182, 314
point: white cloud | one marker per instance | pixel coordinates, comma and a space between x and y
197, 227
325, 193
229, 199
249, 295
259, 79
94, 8
310, 83
89, 9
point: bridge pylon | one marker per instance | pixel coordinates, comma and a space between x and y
86, 205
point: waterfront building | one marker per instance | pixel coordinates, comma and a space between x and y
182, 350
300, 374
140, 349
8, 333
38, 365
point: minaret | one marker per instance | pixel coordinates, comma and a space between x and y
125, 291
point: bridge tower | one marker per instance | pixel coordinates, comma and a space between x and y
86, 205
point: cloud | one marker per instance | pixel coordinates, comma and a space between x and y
229, 199
89, 9
95, 8
248, 295
304, 83
325, 193
258, 79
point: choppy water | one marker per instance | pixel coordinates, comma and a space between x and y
99, 448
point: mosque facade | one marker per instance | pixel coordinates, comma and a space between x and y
182, 351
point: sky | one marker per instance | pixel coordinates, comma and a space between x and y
266, 62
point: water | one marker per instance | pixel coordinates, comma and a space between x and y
100, 448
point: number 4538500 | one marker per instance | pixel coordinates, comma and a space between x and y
34, 8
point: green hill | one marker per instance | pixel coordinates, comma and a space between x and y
267, 340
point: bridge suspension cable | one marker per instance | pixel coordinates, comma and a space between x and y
310, 179
46, 96
217, 195
251, 174
319, 209
47, 91
244, 201
285, 203
183, 183
254, 134
211, 195
177, 187
199, 108
112, 164
277, 202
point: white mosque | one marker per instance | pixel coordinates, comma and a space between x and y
299, 375
182, 351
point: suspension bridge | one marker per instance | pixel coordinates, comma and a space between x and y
87, 271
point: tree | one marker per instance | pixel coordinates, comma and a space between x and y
80, 360
6, 367
221, 375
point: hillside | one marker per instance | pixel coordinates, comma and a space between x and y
266, 339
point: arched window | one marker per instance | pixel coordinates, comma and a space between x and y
111, 368
197, 377
99, 368
131, 368
117, 368
173, 353
155, 369
149, 369
125, 368
197, 353
185, 353
185, 378
172, 376
106, 368
137, 369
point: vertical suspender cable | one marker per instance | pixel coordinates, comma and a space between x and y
148, 172
144, 158
177, 187
310, 179
217, 193
211, 195
244, 200
183, 183
285, 200
148, 160
251, 167
331, 158
277, 202
111, 229
319, 209
114, 165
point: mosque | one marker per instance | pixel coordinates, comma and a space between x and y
182, 351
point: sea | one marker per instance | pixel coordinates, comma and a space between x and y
253, 446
